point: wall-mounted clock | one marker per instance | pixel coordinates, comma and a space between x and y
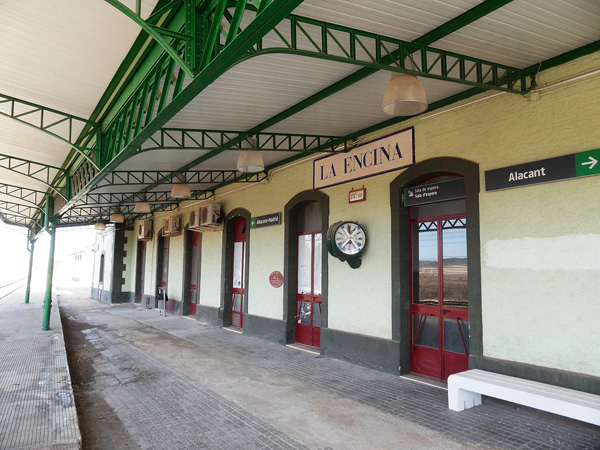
346, 241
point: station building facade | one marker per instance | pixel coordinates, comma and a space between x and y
504, 278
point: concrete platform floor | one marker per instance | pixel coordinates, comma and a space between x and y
37, 410
172, 383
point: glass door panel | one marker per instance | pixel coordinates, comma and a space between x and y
426, 331
456, 336
238, 283
454, 238
317, 265
238, 265
304, 264
425, 264
304, 313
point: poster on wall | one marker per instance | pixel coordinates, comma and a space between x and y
393, 152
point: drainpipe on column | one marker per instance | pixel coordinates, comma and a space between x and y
31, 241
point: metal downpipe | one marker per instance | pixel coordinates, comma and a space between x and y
28, 290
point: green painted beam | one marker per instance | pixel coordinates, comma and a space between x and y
213, 33
461, 21
156, 35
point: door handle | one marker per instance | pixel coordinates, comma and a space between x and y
444, 311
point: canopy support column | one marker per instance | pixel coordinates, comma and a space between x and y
48, 297
50, 227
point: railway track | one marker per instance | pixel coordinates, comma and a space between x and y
11, 287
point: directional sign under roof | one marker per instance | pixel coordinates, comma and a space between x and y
553, 169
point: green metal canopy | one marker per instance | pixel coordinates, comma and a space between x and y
111, 101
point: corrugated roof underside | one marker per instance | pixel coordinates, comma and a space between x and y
257, 89
525, 32
59, 54
401, 19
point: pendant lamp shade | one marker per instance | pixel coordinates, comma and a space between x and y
99, 226
404, 96
117, 218
141, 208
181, 190
250, 161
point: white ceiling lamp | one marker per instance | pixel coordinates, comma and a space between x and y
117, 218
142, 207
250, 161
404, 94
99, 226
181, 190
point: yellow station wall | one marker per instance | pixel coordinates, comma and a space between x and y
540, 245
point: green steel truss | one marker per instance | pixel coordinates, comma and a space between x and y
81, 177
111, 199
18, 219
29, 195
18, 208
177, 138
60, 125
147, 177
104, 212
314, 38
31, 169
164, 36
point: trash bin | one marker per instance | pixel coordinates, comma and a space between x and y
162, 300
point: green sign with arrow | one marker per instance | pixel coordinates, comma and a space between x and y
587, 163
564, 167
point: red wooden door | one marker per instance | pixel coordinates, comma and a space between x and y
308, 293
439, 300
195, 275
141, 271
239, 277
164, 273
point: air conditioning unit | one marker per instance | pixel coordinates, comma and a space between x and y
172, 226
213, 215
196, 215
145, 230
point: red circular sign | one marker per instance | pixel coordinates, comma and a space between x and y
276, 279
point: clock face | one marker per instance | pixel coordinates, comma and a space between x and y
350, 238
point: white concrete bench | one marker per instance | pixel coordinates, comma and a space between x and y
465, 390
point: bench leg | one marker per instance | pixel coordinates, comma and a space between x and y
460, 399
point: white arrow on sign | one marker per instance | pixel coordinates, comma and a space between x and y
592, 162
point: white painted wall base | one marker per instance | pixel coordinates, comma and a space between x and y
465, 390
